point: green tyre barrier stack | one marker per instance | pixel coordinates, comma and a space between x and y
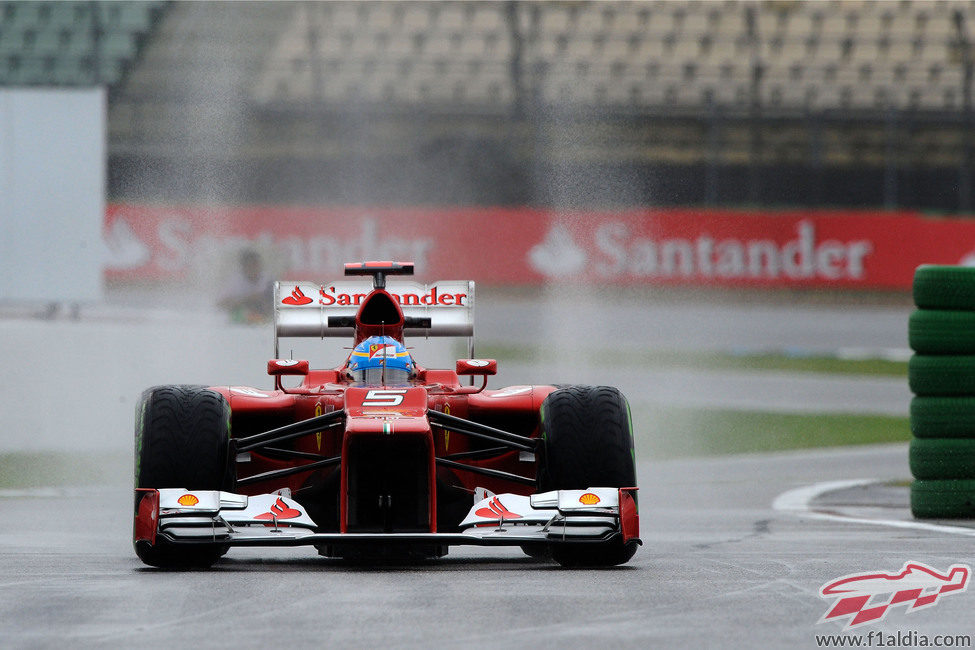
944, 499
942, 458
940, 332
943, 417
944, 287
941, 375
938, 376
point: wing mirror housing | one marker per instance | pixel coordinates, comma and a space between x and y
280, 367
481, 367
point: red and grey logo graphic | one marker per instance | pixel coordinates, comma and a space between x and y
381, 350
280, 510
496, 510
864, 598
296, 298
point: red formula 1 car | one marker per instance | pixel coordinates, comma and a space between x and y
381, 457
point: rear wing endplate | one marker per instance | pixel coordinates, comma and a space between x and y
307, 309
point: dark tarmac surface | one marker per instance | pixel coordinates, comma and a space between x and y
720, 567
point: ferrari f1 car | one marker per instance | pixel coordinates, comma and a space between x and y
381, 457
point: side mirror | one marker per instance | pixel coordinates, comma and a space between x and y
279, 367
483, 367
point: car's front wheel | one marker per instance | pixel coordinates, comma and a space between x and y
182, 440
587, 441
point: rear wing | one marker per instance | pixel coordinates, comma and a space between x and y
305, 309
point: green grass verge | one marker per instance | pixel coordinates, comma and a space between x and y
56, 469
678, 432
660, 433
709, 361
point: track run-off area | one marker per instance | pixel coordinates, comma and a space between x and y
720, 567
736, 548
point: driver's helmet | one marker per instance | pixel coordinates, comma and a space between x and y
380, 360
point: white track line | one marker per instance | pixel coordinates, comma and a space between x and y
797, 502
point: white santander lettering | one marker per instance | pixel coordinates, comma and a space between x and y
800, 258
328, 296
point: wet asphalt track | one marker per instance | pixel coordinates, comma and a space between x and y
719, 568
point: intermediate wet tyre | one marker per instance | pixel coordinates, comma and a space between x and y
182, 440
941, 375
943, 417
932, 331
944, 287
945, 499
587, 441
942, 458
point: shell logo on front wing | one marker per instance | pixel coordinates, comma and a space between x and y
589, 499
187, 500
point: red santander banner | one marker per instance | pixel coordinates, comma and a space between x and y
520, 246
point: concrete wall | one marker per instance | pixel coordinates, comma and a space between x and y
52, 194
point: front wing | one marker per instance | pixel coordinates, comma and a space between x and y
177, 516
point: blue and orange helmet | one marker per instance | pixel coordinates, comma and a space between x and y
380, 361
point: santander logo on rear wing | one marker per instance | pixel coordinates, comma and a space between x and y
309, 309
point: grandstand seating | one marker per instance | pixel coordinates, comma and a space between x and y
70, 42
729, 83
631, 56
779, 55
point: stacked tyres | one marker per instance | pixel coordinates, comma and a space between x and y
942, 377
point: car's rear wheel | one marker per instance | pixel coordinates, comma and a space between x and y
182, 440
587, 441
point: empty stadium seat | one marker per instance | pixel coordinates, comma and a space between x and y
614, 58
73, 42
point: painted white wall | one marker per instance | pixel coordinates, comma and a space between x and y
52, 193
